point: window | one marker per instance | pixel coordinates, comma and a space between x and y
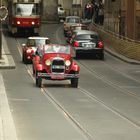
77, 3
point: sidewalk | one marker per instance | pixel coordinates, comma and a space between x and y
7, 128
123, 58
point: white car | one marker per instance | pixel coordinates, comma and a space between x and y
61, 12
70, 21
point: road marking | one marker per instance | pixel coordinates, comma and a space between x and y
1, 129
16, 99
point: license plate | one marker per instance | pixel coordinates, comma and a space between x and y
57, 76
25, 22
89, 45
57, 67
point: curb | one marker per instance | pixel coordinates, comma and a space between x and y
121, 57
115, 54
7, 61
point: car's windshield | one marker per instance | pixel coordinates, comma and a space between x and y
40, 42
36, 42
26, 9
57, 49
73, 20
80, 28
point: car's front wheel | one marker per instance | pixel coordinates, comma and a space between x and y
74, 82
38, 81
24, 59
33, 69
101, 56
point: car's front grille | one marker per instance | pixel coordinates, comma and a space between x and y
58, 65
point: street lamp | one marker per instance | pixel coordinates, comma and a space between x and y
3, 15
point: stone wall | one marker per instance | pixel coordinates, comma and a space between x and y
126, 47
49, 10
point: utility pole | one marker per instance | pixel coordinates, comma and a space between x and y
130, 18
0, 39
3, 15
0, 32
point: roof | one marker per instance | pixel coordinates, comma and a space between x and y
72, 17
37, 37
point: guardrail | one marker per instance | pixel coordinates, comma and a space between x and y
120, 44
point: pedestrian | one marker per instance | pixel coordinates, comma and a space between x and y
88, 10
101, 13
91, 10
96, 10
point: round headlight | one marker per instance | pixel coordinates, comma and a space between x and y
48, 62
28, 51
18, 22
67, 63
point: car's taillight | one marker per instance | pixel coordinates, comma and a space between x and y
76, 44
100, 44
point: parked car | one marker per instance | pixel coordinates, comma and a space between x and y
61, 13
55, 62
69, 21
87, 42
30, 47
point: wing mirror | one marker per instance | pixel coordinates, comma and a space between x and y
23, 45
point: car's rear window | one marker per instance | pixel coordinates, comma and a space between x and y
37, 42
87, 36
61, 8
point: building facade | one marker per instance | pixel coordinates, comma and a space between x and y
123, 17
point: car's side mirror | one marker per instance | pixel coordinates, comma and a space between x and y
61, 21
23, 45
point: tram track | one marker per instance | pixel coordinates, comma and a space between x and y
66, 113
109, 82
93, 73
100, 76
48, 94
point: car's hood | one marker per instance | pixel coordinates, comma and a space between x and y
52, 56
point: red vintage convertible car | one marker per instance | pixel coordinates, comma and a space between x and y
30, 47
55, 62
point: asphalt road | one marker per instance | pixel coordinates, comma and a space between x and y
105, 106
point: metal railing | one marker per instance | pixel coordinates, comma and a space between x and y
120, 44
